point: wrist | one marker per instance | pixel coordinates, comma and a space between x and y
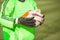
16, 21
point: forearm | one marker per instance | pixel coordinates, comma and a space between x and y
6, 22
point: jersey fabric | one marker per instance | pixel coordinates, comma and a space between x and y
12, 9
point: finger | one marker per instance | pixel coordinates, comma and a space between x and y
31, 21
27, 19
31, 24
38, 18
43, 16
41, 22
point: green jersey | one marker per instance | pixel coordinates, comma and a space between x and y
12, 9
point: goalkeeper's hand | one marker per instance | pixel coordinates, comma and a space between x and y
26, 21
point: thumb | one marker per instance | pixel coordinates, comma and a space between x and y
29, 18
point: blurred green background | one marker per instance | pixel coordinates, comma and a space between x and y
50, 30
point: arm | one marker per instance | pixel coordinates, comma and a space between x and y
5, 21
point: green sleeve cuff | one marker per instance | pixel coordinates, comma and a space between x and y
8, 22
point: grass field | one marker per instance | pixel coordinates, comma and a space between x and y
50, 30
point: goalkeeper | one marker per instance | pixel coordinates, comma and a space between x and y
16, 25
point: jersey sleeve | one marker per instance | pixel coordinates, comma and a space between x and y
4, 20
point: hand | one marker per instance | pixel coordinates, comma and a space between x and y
31, 18
38, 16
27, 21
39, 20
